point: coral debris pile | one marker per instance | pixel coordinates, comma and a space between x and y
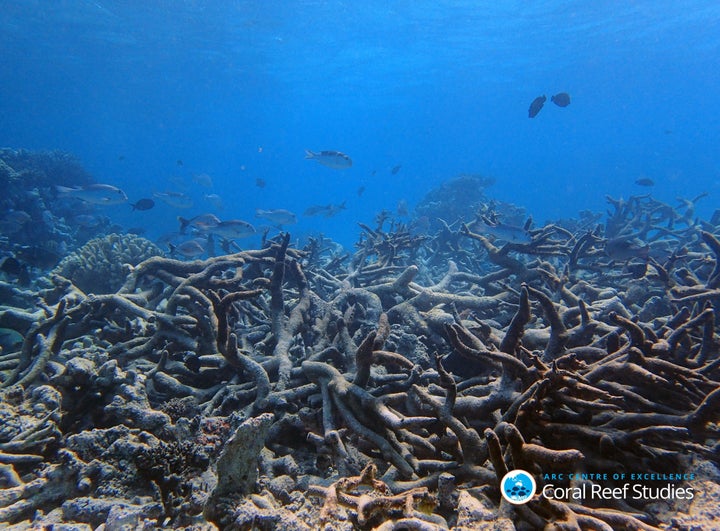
280, 389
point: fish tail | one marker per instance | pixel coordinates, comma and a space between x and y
65, 189
309, 154
183, 224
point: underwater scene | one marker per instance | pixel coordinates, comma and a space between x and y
375, 265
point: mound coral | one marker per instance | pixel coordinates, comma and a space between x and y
100, 266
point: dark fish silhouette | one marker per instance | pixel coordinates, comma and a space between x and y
36, 256
143, 204
179, 162
626, 248
561, 99
645, 182
260, 183
360, 191
536, 105
395, 169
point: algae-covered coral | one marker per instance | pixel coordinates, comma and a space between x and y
390, 391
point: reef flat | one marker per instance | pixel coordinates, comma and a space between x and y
392, 388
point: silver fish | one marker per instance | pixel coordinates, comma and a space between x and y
174, 199
203, 179
189, 249
96, 194
202, 223
502, 231
278, 216
233, 229
331, 159
215, 200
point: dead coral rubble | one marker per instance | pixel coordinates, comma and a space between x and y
393, 395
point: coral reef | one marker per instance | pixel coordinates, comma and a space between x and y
280, 389
101, 265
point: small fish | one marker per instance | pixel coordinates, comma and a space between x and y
360, 191
402, 208
10, 339
143, 204
87, 221
502, 231
16, 216
36, 256
335, 209
645, 181
277, 216
137, 231
331, 159
215, 200
189, 249
203, 179
536, 105
202, 223
174, 199
561, 99
623, 249
317, 209
260, 183
233, 229
395, 169
179, 162
11, 266
328, 210
96, 194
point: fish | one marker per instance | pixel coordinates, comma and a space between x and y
402, 208
13, 221
316, 209
174, 199
328, 210
179, 162
36, 256
202, 223
536, 106
137, 231
360, 191
395, 169
505, 232
189, 249
277, 216
11, 266
10, 339
87, 221
143, 204
561, 99
626, 248
17, 216
331, 159
260, 183
203, 179
645, 181
96, 194
215, 200
233, 229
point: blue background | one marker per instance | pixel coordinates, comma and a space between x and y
239, 90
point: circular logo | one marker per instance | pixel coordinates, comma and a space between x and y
518, 487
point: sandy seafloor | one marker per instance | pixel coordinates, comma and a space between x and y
299, 385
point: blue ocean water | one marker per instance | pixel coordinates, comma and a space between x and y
238, 90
